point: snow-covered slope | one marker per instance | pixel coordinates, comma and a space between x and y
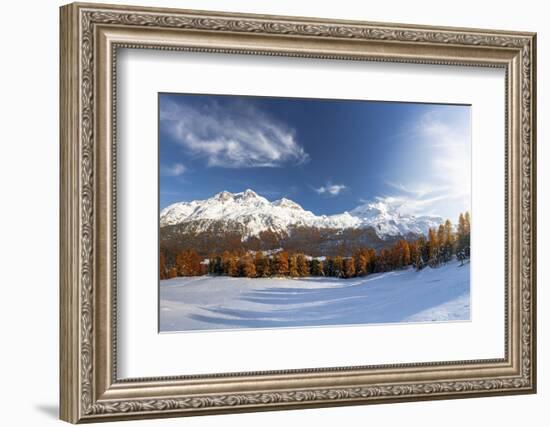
254, 214
220, 302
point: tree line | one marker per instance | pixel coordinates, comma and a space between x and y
440, 246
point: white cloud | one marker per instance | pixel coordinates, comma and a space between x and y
237, 135
174, 170
440, 182
330, 189
450, 164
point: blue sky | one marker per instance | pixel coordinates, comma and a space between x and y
327, 155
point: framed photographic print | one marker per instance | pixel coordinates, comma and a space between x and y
255, 258
263, 212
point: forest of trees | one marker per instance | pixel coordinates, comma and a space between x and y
440, 246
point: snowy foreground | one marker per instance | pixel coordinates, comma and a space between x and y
207, 302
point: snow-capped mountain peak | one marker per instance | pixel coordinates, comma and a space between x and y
223, 196
388, 220
287, 203
375, 209
254, 214
247, 194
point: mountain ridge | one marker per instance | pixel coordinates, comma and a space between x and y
255, 214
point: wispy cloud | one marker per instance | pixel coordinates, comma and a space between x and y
418, 190
442, 178
176, 169
330, 189
450, 164
235, 135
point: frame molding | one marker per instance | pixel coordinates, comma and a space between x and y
90, 37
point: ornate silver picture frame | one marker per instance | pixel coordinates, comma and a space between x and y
91, 36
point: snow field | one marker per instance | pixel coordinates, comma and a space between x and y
219, 302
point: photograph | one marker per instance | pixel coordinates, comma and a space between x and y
262, 212
291, 212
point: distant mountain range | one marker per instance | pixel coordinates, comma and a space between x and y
249, 215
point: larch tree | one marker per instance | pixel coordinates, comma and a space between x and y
225, 259
338, 266
247, 266
396, 257
361, 263
281, 263
448, 246
371, 260
460, 233
261, 263
406, 253
172, 272
232, 266
433, 248
162, 266
463, 237
302, 265
293, 266
441, 243
349, 267
384, 260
